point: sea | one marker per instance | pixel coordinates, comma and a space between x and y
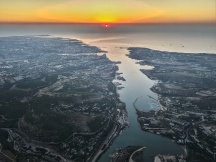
115, 39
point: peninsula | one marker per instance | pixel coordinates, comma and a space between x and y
57, 100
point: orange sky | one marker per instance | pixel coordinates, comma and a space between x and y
108, 11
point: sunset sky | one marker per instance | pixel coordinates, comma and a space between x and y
108, 11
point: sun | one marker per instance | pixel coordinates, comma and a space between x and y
106, 25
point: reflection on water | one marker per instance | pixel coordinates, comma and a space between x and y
115, 40
140, 104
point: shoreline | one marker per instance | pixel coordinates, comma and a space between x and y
113, 134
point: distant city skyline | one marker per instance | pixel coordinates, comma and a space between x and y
112, 11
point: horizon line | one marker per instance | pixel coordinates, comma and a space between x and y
146, 23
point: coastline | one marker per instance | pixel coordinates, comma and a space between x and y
70, 34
